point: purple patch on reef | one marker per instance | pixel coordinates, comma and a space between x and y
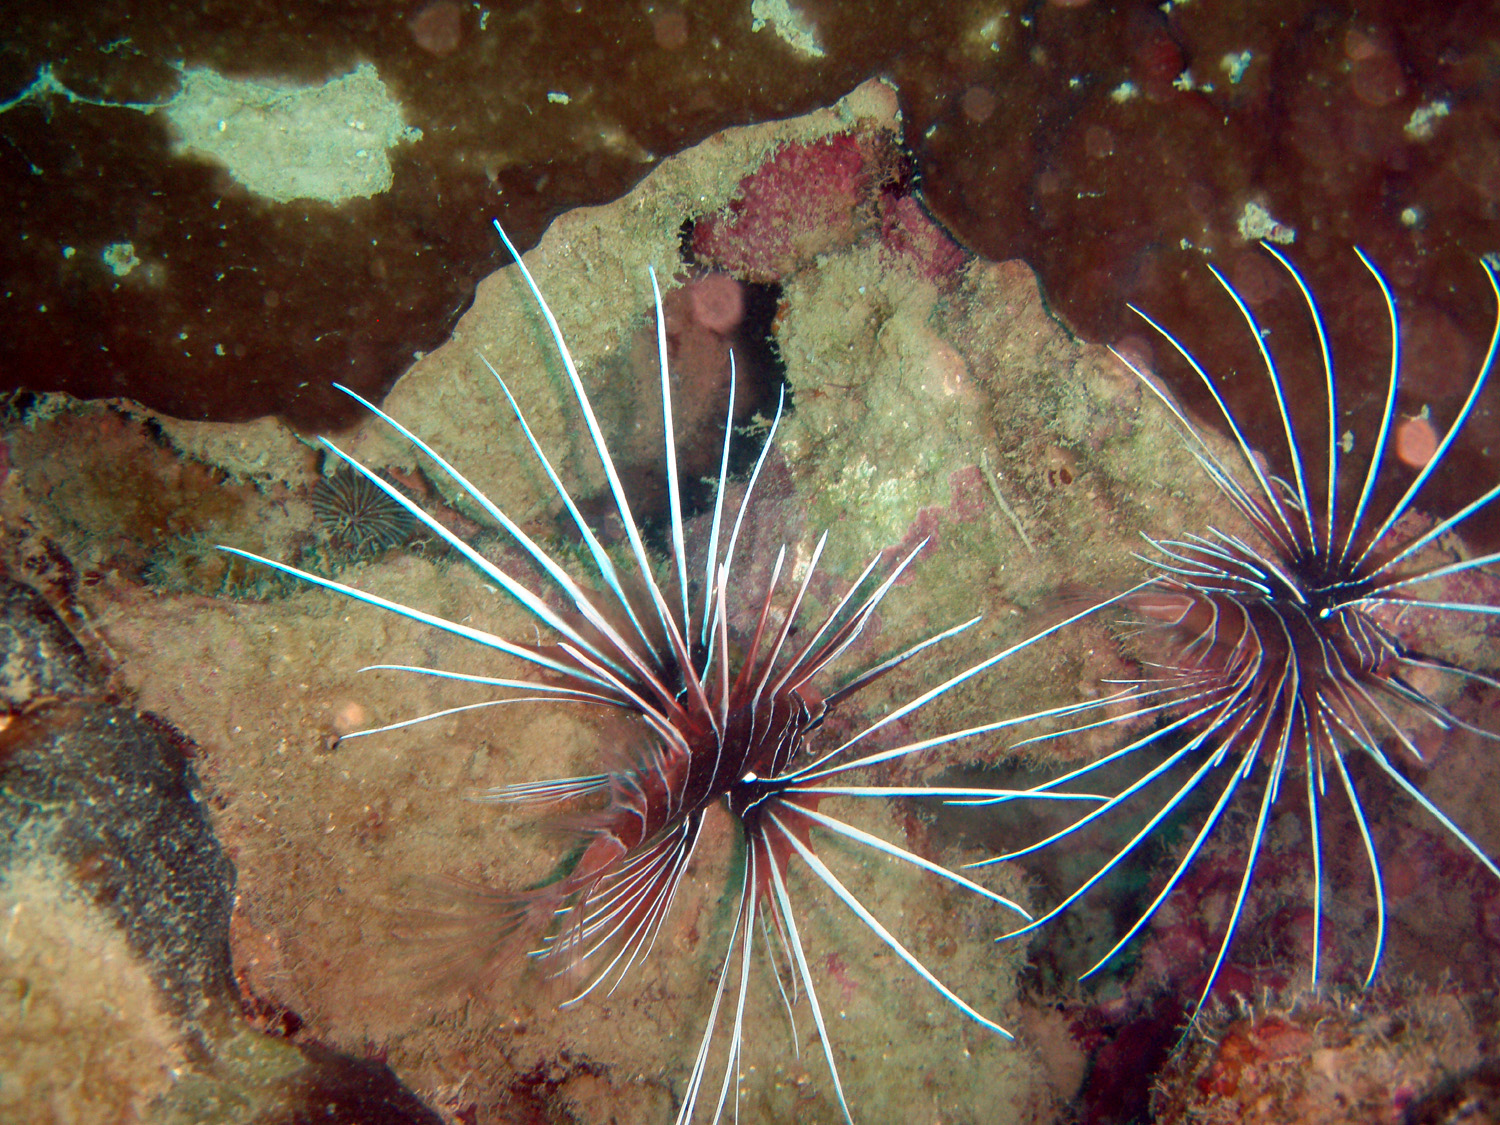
970, 497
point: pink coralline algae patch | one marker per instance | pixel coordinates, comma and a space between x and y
907, 231
839, 971
971, 498
807, 199
968, 502
819, 197
928, 525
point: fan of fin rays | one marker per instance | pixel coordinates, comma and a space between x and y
1275, 653
714, 733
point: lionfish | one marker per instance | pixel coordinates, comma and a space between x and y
1276, 654
719, 728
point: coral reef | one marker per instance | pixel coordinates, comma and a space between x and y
934, 397
1319, 1060
115, 978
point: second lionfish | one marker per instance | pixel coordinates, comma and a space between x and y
1275, 653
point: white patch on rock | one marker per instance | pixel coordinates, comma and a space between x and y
284, 142
790, 25
1256, 224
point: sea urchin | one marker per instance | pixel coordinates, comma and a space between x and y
359, 518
